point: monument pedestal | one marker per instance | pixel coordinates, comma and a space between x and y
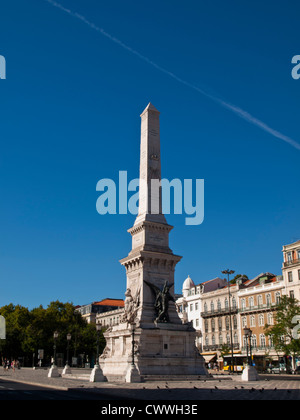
66, 370
132, 374
53, 372
97, 374
250, 374
164, 350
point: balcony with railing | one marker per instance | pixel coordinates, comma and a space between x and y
291, 262
215, 347
219, 312
258, 308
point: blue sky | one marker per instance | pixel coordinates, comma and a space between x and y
70, 115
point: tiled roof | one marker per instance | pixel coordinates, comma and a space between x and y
110, 302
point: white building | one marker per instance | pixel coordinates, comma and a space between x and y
291, 269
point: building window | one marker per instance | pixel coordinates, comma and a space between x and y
220, 339
292, 294
261, 320
290, 257
213, 340
277, 296
220, 324
212, 307
268, 300
262, 339
234, 302
227, 322
236, 339
213, 325
252, 321
298, 254
298, 274
260, 300
253, 341
227, 339
196, 306
205, 307
219, 302
226, 304
244, 321
235, 323
290, 276
243, 303
206, 325
251, 302
270, 319
271, 343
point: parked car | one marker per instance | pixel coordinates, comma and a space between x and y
297, 370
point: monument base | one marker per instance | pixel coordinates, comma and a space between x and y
250, 374
164, 350
132, 375
66, 370
97, 374
53, 372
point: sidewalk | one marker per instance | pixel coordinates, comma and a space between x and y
270, 387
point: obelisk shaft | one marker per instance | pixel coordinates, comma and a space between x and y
150, 199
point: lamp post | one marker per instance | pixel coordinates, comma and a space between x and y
132, 373
248, 334
53, 372
97, 374
55, 336
69, 336
229, 272
98, 328
249, 372
67, 369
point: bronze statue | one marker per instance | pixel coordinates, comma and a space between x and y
162, 298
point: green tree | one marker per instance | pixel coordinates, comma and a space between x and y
282, 330
27, 331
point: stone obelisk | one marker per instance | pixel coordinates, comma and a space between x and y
151, 339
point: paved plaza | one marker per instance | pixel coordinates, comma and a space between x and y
218, 387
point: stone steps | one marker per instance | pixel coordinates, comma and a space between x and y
178, 378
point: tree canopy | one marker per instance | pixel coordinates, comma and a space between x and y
282, 331
27, 331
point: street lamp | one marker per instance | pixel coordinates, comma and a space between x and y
69, 336
98, 328
132, 345
67, 369
53, 372
248, 335
228, 273
249, 372
55, 336
97, 374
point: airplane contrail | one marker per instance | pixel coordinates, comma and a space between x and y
233, 108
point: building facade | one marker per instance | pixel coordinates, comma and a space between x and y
90, 311
220, 311
291, 269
